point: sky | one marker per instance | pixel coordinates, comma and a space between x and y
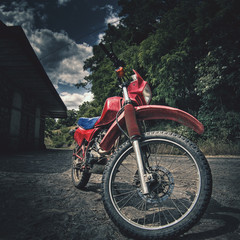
62, 33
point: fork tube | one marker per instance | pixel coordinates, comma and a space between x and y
134, 134
125, 94
141, 171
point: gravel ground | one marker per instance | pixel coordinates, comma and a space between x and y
38, 201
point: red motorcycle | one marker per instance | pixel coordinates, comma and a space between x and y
155, 184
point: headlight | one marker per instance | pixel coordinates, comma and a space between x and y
134, 77
147, 93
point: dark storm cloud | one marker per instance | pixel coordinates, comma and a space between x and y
63, 2
19, 15
61, 56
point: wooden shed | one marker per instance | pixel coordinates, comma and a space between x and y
27, 96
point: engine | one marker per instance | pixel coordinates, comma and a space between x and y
96, 154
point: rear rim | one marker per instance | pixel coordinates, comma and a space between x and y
77, 173
174, 184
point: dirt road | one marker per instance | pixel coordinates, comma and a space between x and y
38, 201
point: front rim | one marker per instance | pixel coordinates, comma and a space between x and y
174, 185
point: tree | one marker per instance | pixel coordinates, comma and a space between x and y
50, 124
70, 120
141, 16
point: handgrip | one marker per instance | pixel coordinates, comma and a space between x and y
105, 50
117, 63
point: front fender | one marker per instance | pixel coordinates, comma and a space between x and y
152, 112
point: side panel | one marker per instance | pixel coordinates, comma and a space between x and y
81, 134
150, 112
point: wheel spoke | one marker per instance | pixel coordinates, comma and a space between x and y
127, 198
122, 194
123, 165
176, 206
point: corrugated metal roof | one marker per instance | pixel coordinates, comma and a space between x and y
20, 65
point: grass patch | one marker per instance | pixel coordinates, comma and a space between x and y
215, 147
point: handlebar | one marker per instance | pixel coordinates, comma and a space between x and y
117, 63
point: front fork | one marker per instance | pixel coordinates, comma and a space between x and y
141, 170
134, 134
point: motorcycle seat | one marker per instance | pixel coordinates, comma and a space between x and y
87, 123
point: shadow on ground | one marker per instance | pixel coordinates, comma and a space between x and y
217, 223
48, 161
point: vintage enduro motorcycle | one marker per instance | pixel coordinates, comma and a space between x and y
155, 184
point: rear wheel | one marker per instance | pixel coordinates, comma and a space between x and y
179, 180
80, 175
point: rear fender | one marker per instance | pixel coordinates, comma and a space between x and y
151, 112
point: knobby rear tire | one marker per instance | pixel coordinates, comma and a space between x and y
180, 191
79, 178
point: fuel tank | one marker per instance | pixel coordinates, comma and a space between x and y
111, 107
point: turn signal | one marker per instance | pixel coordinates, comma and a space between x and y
120, 72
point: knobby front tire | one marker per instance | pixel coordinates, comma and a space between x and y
180, 185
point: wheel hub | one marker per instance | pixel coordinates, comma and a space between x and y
161, 185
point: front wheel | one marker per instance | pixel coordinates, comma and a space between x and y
180, 185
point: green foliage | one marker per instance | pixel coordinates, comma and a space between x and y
70, 120
217, 79
89, 109
57, 131
50, 124
141, 17
221, 126
59, 138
